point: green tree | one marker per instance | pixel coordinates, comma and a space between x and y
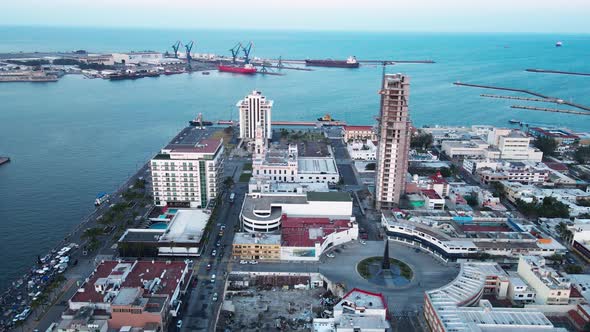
421, 141
582, 154
573, 269
370, 167
546, 144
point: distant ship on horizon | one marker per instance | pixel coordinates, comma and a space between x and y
558, 44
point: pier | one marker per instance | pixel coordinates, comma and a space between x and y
4, 160
558, 100
550, 71
554, 110
292, 123
543, 100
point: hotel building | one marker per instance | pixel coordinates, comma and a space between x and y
255, 110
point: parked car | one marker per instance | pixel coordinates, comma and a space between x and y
213, 279
363, 242
330, 255
243, 262
179, 323
208, 267
214, 252
253, 262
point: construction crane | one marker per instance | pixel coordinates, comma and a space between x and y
189, 48
247, 52
235, 51
176, 47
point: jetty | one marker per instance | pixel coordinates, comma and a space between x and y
543, 100
532, 93
550, 71
4, 160
554, 110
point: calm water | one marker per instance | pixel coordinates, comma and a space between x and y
72, 139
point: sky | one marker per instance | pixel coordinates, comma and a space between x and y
545, 16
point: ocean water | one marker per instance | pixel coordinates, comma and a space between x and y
72, 139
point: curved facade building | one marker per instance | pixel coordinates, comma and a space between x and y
263, 212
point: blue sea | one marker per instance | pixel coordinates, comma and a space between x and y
72, 139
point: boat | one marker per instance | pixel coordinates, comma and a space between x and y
327, 118
247, 69
205, 73
351, 62
513, 121
101, 198
198, 121
558, 44
173, 72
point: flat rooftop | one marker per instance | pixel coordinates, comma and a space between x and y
362, 298
307, 165
142, 235
187, 226
306, 232
194, 139
250, 238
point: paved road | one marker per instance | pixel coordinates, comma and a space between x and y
429, 273
201, 311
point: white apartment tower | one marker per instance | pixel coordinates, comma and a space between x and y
394, 141
255, 110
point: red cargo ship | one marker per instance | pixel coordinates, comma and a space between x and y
246, 69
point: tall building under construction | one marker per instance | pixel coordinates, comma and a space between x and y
394, 141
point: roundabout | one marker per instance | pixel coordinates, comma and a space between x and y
399, 273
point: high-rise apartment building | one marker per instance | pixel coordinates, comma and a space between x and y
255, 110
394, 141
188, 171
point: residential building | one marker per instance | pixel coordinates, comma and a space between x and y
359, 310
84, 320
516, 171
393, 141
434, 182
519, 292
359, 133
255, 110
140, 294
577, 200
188, 171
562, 136
551, 287
257, 246
362, 150
516, 146
473, 148
432, 199
458, 307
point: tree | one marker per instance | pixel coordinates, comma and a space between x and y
228, 182
573, 269
421, 141
471, 200
549, 207
92, 233
139, 184
370, 167
582, 154
546, 144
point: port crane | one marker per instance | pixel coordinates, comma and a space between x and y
176, 47
235, 51
246, 51
189, 48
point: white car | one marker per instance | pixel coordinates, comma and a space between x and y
213, 279
363, 242
330, 255
253, 262
179, 324
214, 297
243, 262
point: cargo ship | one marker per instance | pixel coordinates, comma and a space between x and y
132, 75
351, 62
198, 121
247, 69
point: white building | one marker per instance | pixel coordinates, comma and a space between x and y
188, 171
359, 310
255, 110
475, 148
457, 306
264, 212
519, 291
147, 57
516, 171
362, 150
529, 193
280, 164
550, 286
516, 146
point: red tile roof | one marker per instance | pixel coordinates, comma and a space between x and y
169, 273
295, 231
438, 178
576, 318
556, 166
430, 193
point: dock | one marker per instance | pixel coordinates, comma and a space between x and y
554, 110
543, 100
536, 94
550, 71
4, 160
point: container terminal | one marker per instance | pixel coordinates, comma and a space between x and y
182, 58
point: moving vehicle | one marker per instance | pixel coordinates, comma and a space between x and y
330, 255
213, 279
243, 262
232, 197
208, 267
101, 198
253, 262
214, 297
214, 252
179, 324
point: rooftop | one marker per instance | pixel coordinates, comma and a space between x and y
195, 140
362, 298
306, 232
307, 165
258, 238
187, 225
358, 128
109, 276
